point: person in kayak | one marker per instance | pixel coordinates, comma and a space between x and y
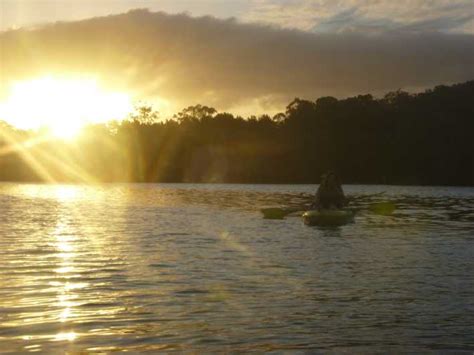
330, 194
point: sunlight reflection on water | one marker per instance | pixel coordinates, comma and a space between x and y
195, 267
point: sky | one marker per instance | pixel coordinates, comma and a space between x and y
243, 56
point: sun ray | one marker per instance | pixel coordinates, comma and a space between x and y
35, 157
13, 145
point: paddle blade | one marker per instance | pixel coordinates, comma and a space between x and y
383, 208
276, 212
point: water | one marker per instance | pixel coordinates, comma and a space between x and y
195, 267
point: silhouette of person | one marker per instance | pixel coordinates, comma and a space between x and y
330, 194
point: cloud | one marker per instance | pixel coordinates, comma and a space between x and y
366, 15
308, 15
230, 65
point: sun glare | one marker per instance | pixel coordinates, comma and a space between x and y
63, 106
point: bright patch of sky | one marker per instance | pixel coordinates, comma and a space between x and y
19, 13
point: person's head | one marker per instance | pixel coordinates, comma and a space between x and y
331, 181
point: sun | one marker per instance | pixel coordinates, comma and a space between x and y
66, 131
62, 106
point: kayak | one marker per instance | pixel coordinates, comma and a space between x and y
328, 217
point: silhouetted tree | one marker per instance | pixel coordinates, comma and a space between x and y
402, 138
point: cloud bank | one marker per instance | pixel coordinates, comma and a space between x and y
230, 65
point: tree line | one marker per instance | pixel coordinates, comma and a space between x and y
401, 138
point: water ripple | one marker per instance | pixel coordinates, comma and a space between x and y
195, 268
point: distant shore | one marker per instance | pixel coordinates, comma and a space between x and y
420, 139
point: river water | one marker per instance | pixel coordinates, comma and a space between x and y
197, 268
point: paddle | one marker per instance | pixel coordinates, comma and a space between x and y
279, 212
382, 208
379, 208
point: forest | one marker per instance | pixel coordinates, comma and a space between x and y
401, 138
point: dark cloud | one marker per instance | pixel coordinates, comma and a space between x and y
355, 20
367, 15
441, 24
230, 65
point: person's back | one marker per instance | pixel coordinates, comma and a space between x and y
330, 194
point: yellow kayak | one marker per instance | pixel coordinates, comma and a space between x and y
328, 217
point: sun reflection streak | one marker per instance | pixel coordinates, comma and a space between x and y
65, 314
66, 252
65, 270
66, 193
33, 348
70, 336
